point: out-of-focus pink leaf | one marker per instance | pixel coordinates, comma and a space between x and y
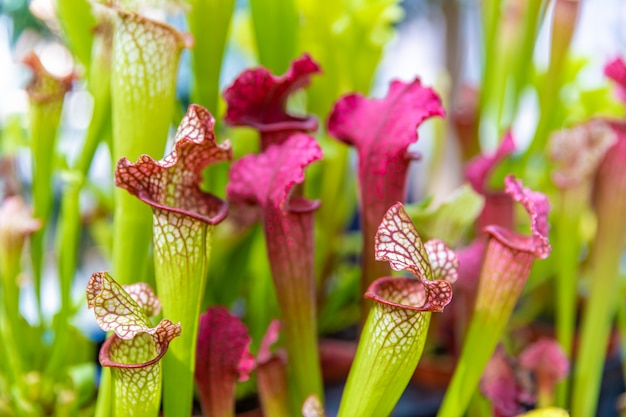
579, 150
546, 359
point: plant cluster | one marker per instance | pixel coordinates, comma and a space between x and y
233, 260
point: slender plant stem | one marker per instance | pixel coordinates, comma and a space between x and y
567, 251
596, 325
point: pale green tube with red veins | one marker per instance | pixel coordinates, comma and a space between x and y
395, 332
184, 218
135, 349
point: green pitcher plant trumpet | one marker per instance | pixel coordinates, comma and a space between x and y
395, 332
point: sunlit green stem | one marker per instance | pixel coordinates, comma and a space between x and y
567, 251
598, 317
209, 46
564, 20
491, 18
68, 236
44, 121
77, 23
275, 22
503, 276
533, 16
182, 247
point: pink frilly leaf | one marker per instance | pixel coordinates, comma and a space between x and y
478, 169
268, 178
385, 126
173, 183
258, 99
538, 207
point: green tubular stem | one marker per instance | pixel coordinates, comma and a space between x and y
275, 22
103, 407
381, 371
488, 322
77, 23
69, 233
491, 17
532, 17
567, 251
180, 269
562, 32
209, 47
45, 119
597, 320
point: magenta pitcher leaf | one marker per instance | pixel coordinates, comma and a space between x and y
381, 130
258, 99
222, 359
135, 349
184, 218
508, 259
267, 181
395, 332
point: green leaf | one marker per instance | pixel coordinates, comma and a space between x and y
452, 219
